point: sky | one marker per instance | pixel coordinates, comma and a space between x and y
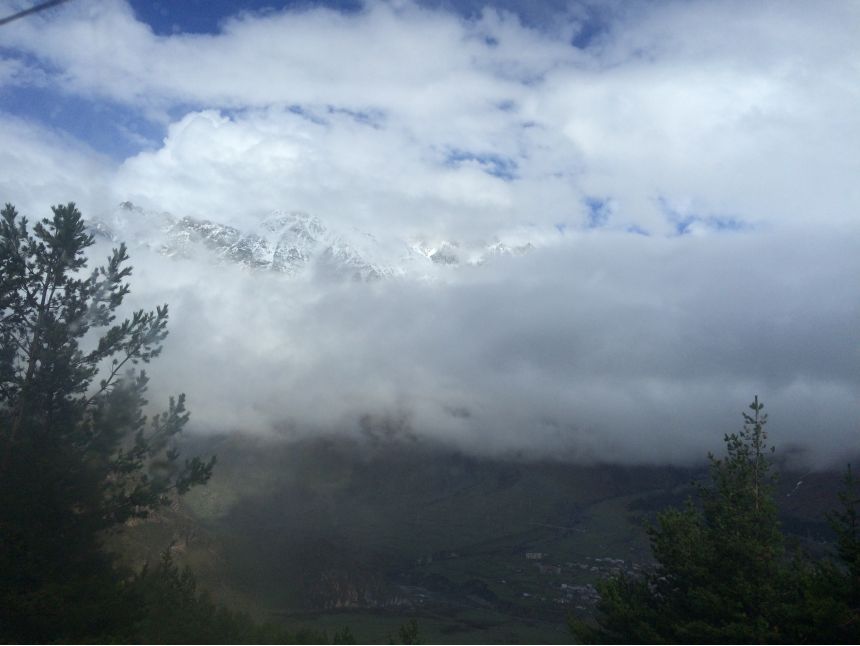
686, 173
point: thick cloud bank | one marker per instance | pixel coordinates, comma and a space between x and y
603, 346
683, 173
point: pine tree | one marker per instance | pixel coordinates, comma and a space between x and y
846, 523
721, 573
832, 588
77, 454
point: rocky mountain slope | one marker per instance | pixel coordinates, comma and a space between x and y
291, 242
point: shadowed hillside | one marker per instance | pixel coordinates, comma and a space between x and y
336, 532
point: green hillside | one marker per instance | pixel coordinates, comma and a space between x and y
341, 532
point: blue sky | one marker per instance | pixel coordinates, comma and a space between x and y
555, 94
684, 171
205, 17
200, 16
120, 130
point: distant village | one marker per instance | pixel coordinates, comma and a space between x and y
569, 583
581, 596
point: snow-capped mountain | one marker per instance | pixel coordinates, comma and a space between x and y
454, 253
291, 242
285, 242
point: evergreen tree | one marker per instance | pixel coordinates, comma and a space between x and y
832, 588
77, 454
721, 573
846, 523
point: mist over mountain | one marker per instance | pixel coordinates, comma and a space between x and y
294, 243
584, 231
578, 346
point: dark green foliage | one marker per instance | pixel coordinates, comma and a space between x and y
77, 455
409, 632
344, 636
846, 523
833, 589
176, 613
722, 575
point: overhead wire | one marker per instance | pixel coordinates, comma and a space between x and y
31, 10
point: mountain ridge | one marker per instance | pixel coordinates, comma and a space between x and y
293, 243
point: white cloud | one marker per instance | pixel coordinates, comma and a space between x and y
611, 346
403, 121
40, 167
736, 110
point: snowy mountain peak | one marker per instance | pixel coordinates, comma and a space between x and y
290, 242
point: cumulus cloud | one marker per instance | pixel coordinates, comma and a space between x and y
686, 174
41, 166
